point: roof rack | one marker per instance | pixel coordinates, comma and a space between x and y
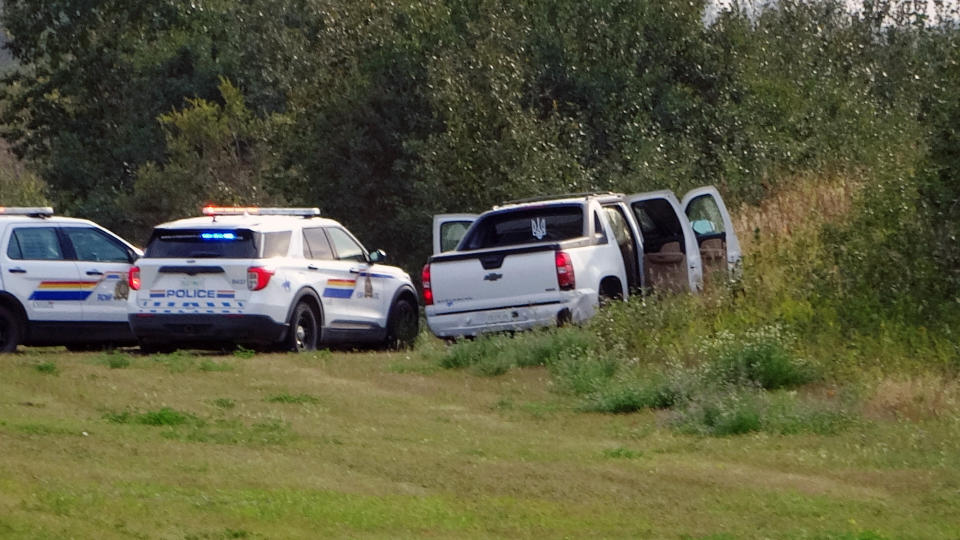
32, 211
257, 211
559, 196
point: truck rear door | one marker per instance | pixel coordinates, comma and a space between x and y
711, 223
448, 229
671, 258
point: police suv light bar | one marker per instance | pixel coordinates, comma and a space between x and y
40, 211
257, 211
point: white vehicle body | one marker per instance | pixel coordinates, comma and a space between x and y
513, 267
63, 281
649, 240
296, 280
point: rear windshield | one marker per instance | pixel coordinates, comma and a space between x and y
202, 244
526, 226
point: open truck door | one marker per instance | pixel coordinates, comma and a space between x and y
448, 229
671, 258
711, 223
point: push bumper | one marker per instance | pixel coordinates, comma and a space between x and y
199, 328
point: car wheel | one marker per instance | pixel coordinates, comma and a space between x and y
11, 331
304, 329
403, 325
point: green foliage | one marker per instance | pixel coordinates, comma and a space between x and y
495, 354
18, 186
758, 358
212, 156
744, 411
49, 368
115, 359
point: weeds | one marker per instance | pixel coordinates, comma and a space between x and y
161, 417
292, 399
114, 360
49, 368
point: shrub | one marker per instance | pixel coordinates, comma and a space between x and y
758, 357
738, 411
498, 353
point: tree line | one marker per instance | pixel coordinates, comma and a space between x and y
385, 113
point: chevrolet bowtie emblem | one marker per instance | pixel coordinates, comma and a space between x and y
492, 276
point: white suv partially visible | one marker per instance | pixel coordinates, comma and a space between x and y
267, 276
63, 281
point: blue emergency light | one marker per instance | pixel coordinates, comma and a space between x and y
224, 236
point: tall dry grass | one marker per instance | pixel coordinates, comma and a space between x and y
802, 205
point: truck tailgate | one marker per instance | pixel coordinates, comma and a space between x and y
494, 279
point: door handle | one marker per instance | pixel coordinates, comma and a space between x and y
94, 273
16, 271
312, 267
356, 270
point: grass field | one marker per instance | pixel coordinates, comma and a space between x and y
377, 445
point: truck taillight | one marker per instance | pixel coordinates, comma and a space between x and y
258, 277
565, 278
133, 278
427, 291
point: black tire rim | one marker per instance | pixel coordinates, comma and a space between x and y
305, 331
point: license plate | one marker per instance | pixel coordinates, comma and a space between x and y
192, 283
499, 318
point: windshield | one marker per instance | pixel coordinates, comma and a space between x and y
526, 226
202, 244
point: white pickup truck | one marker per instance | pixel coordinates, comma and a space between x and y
548, 261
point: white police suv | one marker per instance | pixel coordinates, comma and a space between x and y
63, 281
267, 276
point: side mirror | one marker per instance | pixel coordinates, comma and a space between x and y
378, 256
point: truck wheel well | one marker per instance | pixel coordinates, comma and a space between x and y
611, 288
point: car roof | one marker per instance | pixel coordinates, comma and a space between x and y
246, 221
51, 220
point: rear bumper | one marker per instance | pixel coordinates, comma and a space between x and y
204, 328
577, 308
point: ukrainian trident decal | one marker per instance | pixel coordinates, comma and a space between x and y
538, 227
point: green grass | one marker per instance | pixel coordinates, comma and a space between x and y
288, 446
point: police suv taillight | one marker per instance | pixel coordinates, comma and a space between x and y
258, 277
427, 290
133, 278
566, 280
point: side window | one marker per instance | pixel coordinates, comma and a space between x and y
347, 248
276, 244
704, 215
619, 224
316, 244
598, 231
93, 245
450, 234
35, 243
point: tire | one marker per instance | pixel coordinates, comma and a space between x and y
304, 331
403, 325
11, 331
